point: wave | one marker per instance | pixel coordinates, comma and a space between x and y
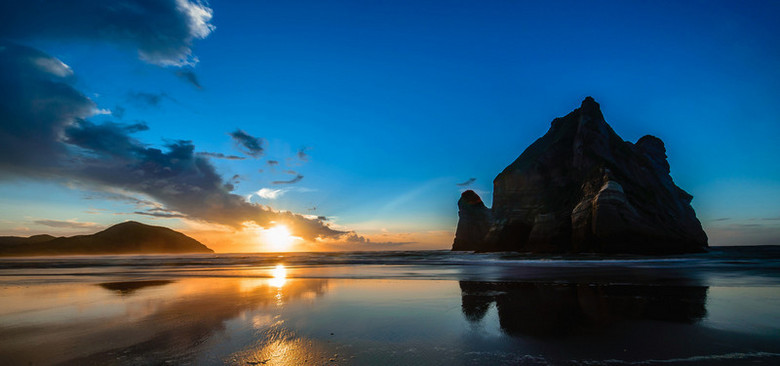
725, 263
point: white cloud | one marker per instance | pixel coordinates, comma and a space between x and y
53, 66
270, 194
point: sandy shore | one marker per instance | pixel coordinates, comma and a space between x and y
282, 319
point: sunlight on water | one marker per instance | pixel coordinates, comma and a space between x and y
279, 274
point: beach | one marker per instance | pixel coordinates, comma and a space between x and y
392, 308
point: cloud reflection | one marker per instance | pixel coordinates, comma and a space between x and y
152, 321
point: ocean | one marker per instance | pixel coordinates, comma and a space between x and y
393, 308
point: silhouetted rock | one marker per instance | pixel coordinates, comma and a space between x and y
126, 238
474, 222
581, 188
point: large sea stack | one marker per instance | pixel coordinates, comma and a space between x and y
581, 189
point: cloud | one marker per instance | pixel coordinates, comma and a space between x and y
36, 105
122, 197
466, 183
118, 112
220, 156
270, 194
302, 153
161, 30
68, 224
272, 163
190, 77
161, 213
293, 172
146, 99
248, 144
274, 193
45, 133
291, 181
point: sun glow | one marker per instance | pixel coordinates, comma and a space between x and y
279, 274
278, 239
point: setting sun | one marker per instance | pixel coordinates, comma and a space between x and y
278, 239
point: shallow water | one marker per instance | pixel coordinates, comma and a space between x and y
391, 308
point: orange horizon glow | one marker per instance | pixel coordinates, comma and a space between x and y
253, 238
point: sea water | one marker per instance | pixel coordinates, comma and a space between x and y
404, 307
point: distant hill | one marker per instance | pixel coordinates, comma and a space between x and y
126, 238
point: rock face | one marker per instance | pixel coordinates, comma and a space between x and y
581, 188
126, 238
475, 221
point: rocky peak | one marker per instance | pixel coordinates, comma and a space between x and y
475, 220
470, 198
590, 108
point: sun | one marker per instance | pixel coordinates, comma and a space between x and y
278, 239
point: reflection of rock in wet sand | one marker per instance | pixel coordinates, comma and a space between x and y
540, 309
128, 287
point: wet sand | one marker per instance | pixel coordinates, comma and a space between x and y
275, 316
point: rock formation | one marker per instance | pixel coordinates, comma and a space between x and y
126, 238
581, 188
475, 221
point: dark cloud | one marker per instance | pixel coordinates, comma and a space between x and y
190, 77
118, 112
110, 138
291, 181
45, 133
67, 224
36, 104
145, 99
248, 144
272, 163
140, 203
466, 183
161, 213
293, 172
161, 30
221, 156
302, 153
354, 238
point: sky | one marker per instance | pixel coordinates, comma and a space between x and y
357, 124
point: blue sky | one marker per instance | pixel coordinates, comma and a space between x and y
394, 103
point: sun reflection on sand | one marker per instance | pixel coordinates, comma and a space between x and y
279, 279
279, 274
281, 346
